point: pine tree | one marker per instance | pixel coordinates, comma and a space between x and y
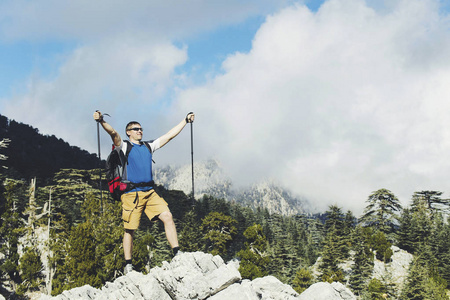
143, 252
30, 268
190, 235
443, 252
108, 233
4, 143
303, 279
376, 290
349, 227
331, 254
423, 284
381, 212
283, 251
382, 247
422, 224
69, 193
432, 201
218, 230
81, 263
315, 237
406, 231
245, 218
363, 259
254, 259
151, 247
59, 235
10, 232
335, 222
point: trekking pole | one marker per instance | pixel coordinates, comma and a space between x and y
100, 167
192, 162
100, 163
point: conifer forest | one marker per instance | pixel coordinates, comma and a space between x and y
60, 229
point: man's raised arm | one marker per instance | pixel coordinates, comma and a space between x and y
176, 130
115, 137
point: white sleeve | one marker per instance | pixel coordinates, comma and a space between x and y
123, 146
155, 145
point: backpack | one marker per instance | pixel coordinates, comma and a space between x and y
116, 171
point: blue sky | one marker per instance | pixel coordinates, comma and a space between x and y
334, 99
21, 57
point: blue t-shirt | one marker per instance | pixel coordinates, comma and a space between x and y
139, 167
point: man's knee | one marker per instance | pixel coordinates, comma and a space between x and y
166, 216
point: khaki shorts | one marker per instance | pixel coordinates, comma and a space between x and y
133, 205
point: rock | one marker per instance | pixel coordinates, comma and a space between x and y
392, 273
188, 276
196, 276
84, 292
134, 285
242, 290
327, 291
272, 288
259, 289
395, 271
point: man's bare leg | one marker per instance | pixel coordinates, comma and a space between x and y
169, 227
128, 244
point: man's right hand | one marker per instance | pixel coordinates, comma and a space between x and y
98, 116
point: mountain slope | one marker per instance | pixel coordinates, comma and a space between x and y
31, 154
211, 180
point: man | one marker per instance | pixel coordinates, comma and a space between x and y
139, 170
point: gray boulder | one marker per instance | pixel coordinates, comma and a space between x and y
327, 291
196, 275
396, 271
266, 288
188, 276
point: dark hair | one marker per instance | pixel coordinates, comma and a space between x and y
128, 127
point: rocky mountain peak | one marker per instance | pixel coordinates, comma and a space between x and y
210, 179
198, 275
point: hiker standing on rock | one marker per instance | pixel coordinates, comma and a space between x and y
143, 197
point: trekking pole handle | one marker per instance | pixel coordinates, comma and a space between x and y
101, 116
188, 120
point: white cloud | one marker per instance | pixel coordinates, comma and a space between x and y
125, 78
335, 104
124, 61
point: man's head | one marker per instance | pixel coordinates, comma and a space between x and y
134, 130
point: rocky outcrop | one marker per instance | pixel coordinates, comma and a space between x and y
188, 276
201, 276
393, 273
396, 271
329, 291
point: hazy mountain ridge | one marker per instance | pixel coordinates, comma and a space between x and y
210, 179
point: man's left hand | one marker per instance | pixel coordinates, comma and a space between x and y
190, 117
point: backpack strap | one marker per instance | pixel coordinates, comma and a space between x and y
149, 149
127, 151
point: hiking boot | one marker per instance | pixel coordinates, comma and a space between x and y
178, 254
128, 268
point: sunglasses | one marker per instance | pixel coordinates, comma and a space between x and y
137, 129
